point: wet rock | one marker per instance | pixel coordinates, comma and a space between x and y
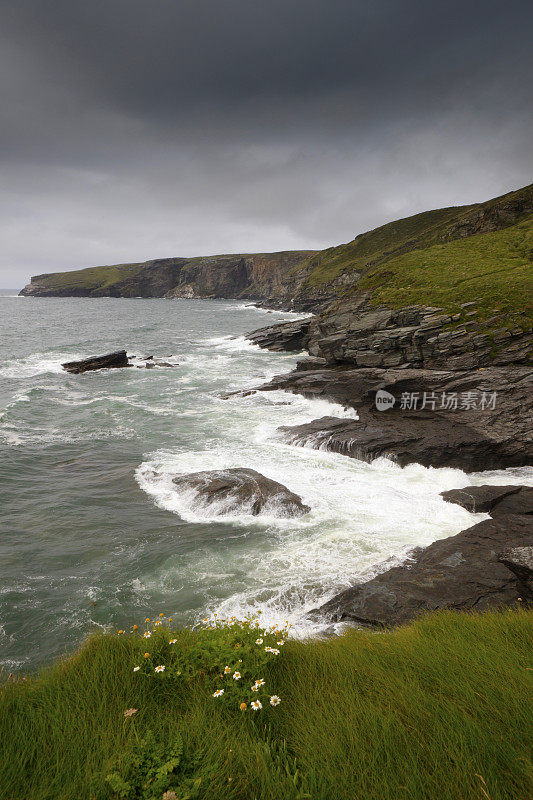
478, 499
243, 490
109, 361
462, 572
463, 436
494, 500
286, 336
520, 561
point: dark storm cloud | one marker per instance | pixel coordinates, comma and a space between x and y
135, 129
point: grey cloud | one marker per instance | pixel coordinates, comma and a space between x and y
135, 129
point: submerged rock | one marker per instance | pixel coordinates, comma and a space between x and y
243, 490
109, 361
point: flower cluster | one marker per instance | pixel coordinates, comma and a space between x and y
229, 652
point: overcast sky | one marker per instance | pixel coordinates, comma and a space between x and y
137, 129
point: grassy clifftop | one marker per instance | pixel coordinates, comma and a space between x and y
433, 710
492, 269
442, 258
445, 257
89, 278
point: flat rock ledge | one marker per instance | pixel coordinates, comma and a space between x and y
493, 500
489, 565
243, 491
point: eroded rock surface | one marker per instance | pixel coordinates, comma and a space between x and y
489, 565
520, 561
243, 490
493, 500
473, 434
462, 572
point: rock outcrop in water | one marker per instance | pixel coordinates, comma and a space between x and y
244, 491
463, 572
493, 500
110, 361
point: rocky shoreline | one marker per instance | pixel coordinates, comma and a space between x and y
428, 341
489, 565
449, 400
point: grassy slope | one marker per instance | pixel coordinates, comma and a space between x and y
492, 269
90, 277
411, 261
377, 245
433, 711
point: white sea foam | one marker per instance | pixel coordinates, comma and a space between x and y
290, 315
36, 364
362, 515
234, 344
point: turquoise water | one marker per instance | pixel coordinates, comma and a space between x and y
93, 533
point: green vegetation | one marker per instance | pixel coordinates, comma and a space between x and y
493, 269
90, 277
436, 710
379, 245
439, 258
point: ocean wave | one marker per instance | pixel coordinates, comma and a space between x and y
37, 364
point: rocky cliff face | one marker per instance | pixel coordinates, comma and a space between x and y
259, 276
355, 334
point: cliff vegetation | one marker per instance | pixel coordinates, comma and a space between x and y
436, 709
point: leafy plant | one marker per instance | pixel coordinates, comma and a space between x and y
151, 771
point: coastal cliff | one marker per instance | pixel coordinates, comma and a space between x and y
439, 260
255, 276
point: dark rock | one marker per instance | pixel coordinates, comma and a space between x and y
310, 363
520, 561
469, 438
479, 499
520, 502
286, 336
461, 572
243, 490
109, 361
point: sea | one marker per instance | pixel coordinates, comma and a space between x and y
95, 535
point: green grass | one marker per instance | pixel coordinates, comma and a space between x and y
493, 269
432, 711
380, 244
424, 259
90, 277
